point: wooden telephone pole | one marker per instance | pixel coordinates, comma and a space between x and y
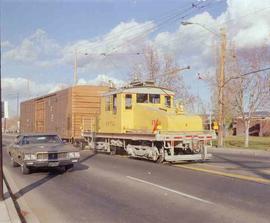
221, 81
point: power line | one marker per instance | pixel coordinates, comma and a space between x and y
135, 29
255, 71
245, 74
170, 19
153, 19
155, 28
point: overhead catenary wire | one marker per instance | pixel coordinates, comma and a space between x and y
256, 71
245, 74
160, 25
115, 39
134, 27
131, 29
155, 28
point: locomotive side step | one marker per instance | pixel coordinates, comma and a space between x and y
193, 157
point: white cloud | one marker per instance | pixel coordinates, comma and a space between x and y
248, 22
191, 44
124, 40
6, 44
117, 50
103, 79
245, 21
25, 88
36, 48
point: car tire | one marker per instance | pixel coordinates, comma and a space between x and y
13, 163
67, 167
24, 169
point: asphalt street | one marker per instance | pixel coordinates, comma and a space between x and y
104, 188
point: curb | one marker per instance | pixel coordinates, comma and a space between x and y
253, 152
22, 208
12, 212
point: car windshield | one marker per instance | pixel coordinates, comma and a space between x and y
40, 139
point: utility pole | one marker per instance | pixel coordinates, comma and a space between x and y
75, 77
221, 81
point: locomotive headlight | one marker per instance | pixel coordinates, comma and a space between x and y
159, 126
30, 156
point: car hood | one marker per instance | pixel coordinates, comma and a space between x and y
48, 148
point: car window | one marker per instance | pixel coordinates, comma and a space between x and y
40, 139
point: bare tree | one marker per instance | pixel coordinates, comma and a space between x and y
152, 62
248, 93
165, 72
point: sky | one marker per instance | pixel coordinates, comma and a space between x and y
39, 39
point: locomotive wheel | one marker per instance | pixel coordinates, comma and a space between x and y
197, 148
113, 150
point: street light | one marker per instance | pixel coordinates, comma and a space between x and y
221, 79
185, 23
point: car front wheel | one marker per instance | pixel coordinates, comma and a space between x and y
24, 169
67, 167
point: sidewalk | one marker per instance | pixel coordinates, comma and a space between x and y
8, 213
242, 151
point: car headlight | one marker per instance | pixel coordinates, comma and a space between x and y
30, 156
77, 154
73, 155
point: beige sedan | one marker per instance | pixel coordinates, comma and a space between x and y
31, 151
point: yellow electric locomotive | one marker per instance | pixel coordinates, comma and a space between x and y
143, 108
142, 119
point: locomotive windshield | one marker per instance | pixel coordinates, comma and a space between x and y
142, 98
154, 98
148, 98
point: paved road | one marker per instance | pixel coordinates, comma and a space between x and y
252, 163
105, 188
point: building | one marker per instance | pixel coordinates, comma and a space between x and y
259, 125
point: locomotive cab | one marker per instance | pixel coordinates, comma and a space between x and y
143, 108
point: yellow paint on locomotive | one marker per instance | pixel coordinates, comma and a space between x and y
143, 109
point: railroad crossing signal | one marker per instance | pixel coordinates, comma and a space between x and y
215, 125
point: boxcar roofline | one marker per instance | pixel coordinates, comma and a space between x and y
142, 90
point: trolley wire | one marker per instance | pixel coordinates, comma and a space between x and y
135, 30
171, 19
